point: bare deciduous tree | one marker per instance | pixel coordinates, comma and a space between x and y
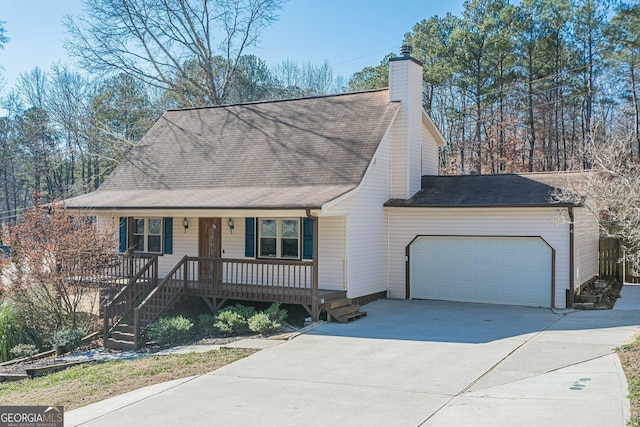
171, 44
610, 190
56, 254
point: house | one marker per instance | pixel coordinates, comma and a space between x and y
312, 199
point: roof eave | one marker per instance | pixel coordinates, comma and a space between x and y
129, 208
428, 122
390, 204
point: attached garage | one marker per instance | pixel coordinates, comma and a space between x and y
489, 269
498, 239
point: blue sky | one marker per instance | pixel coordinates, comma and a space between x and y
349, 34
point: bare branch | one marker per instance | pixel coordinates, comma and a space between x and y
171, 44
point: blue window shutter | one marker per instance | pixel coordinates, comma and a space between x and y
123, 234
168, 235
307, 238
250, 237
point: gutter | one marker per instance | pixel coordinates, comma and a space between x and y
392, 205
571, 290
315, 303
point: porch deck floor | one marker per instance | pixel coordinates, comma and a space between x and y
284, 294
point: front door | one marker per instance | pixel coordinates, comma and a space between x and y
209, 244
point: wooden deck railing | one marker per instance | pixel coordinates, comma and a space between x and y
112, 268
286, 281
159, 299
131, 294
254, 280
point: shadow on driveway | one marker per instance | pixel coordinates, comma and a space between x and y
444, 321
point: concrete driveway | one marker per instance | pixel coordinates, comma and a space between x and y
409, 363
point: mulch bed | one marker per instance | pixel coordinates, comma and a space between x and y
22, 367
602, 292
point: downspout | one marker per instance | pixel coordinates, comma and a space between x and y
571, 290
315, 307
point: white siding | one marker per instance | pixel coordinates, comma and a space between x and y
398, 178
185, 242
586, 246
415, 128
405, 85
405, 224
233, 242
332, 253
429, 153
366, 227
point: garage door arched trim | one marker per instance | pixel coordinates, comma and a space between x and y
539, 238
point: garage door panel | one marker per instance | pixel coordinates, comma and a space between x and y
503, 270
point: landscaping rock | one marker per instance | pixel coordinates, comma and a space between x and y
587, 298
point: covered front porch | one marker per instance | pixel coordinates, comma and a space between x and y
271, 258
269, 235
217, 280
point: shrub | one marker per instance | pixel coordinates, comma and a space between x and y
207, 323
234, 319
13, 332
170, 330
240, 319
230, 322
68, 339
23, 350
275, 313
262, 324
243, 310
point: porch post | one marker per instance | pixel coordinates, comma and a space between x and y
315, 306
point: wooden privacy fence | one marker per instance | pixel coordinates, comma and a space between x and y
610, 261
609, 257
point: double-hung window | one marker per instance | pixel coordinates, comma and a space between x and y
279, 238
147, 235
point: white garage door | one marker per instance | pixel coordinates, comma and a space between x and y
498, 270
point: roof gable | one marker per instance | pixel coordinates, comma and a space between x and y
325, 142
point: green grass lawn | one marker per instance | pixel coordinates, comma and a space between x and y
88, 383
630, 357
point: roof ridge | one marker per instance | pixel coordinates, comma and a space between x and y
273, 101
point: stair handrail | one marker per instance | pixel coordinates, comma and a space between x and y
121, 296
138, 328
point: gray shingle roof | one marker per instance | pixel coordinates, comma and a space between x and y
291, 153
526, 190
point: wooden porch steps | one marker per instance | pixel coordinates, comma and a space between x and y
121, 338
343, 310
119, 344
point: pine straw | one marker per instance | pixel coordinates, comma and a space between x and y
81, 385
629, 355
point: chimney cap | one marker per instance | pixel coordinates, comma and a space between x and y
406, 49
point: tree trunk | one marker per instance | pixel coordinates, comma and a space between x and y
532, 128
